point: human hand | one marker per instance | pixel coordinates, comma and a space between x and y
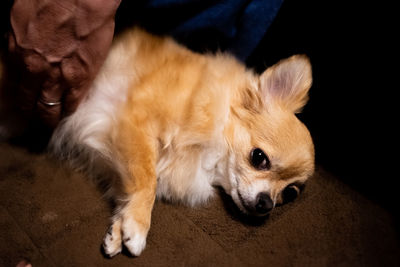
58, 47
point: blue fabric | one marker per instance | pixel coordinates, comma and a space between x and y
233, 25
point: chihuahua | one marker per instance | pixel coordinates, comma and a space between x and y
161, 121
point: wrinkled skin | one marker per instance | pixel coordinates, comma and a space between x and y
58, 47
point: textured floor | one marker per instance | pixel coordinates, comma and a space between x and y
55, 217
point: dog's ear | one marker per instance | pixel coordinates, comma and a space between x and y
287, 83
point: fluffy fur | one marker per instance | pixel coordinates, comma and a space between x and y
163, 121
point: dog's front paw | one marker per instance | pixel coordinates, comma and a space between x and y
134, 236
112, 244
127, 232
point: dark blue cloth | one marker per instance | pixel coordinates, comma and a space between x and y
203, 25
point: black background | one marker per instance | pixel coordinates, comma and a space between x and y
351, 112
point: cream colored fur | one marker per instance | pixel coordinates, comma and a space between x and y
163, 121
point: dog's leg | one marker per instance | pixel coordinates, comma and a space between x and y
132, 221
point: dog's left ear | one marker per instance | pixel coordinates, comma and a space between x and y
287, 83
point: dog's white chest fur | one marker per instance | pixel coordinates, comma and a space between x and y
189, 176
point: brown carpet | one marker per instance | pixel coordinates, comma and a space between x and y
55, 217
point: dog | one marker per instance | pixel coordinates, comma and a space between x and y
161, 121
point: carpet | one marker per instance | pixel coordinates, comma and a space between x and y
54, 216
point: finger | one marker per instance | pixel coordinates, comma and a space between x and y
49, 114
49, 102
80, 69
49, 111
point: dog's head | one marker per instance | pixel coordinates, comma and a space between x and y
271, 151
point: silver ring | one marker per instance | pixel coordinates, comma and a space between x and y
50, 103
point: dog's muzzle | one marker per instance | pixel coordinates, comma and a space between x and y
261, 206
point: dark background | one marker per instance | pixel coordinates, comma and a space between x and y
349, 113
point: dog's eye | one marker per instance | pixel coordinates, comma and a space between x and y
290, 193
259, 160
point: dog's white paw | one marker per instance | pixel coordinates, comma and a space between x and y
125, 232
112, 244
134, 236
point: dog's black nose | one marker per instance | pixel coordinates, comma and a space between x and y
264, 203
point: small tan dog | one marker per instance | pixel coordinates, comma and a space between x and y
162, 121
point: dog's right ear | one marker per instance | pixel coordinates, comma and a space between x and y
287, 83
